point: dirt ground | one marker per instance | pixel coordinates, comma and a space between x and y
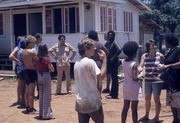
63, 107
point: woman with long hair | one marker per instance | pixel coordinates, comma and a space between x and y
44, 67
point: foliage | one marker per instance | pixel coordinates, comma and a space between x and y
166, 13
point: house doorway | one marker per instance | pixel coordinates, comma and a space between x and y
34, 21
19, 26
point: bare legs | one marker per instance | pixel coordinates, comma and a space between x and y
134, 105
21, 91
30, 95
148, 106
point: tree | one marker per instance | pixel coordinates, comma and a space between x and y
166, 13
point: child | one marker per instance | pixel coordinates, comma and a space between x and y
131, 86
86, 72
44, 67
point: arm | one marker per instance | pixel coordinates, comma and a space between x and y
102, 55
13, 53
140, 68
50, 51
135, 73
162, 59
73, 51
161, 62
51, 68
118, 52
174, 65
105, 50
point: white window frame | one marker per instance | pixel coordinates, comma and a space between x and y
106, 17
128, 21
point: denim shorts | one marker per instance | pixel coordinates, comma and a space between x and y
154, 88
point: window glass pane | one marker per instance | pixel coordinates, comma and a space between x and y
72, 20
57, 21
1, 24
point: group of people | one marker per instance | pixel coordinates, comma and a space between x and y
153, 64
33, 66
96, 62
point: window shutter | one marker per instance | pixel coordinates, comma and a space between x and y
110, 17
48, 21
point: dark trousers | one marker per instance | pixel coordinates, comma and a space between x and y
114, 77
97, 116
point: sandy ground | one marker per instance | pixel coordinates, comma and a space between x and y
63, 107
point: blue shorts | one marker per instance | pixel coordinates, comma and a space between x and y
154, 88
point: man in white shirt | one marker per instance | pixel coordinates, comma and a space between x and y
86, 72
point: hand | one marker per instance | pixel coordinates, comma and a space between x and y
140, 69
102, 54
162, 68
70, 60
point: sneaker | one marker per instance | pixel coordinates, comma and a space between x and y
33, 111
105, 91
110, 97
70, 92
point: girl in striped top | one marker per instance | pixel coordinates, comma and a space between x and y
150, 61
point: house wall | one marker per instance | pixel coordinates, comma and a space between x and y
5, 40
92, 21
89, 18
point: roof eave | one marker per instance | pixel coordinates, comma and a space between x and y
140, 5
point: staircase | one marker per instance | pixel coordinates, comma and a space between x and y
5, 63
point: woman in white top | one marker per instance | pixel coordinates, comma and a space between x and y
131, 87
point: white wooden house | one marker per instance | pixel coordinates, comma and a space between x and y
73, 18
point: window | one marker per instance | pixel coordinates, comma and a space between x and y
128, 21
108, 19
103, 18
1, 24
65, 20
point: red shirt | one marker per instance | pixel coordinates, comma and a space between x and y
42, 66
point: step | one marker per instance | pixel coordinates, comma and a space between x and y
7, 74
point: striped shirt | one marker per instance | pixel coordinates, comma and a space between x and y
151, 65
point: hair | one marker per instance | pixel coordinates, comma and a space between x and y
42, 51
19, 38
130, 48
85, 43
93, 35
30, 39
59, 37
37, 35
148, 42
172, 40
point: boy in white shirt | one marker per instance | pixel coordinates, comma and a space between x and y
86, 72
